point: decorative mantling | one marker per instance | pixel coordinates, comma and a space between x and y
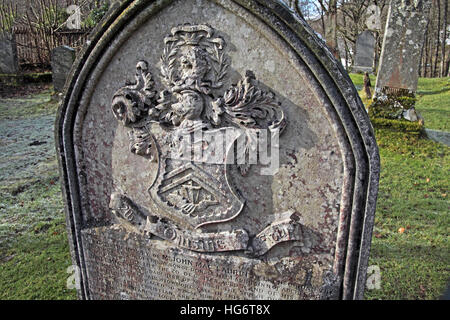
193, 65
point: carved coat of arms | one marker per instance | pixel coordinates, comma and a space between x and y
190, 131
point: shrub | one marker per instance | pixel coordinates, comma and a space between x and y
96, 14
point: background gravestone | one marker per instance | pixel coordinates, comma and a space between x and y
402, 43
365, 51
62, 60
147, 221
8, 54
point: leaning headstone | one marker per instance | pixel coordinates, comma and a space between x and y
402, 43
365, 51
238, 164
61, 61
8, 54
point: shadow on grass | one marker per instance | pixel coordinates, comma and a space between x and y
427, 92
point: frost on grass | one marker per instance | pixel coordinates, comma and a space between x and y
29, 189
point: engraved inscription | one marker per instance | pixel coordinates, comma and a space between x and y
165, 272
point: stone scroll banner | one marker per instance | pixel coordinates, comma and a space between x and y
219, 154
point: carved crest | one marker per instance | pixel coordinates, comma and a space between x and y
191, 112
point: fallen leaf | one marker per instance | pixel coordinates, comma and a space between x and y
422, 291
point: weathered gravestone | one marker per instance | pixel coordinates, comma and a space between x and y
8, 53
62, 60
239, 164
365, 51
402, 43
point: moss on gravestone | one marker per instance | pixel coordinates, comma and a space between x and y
391, 105
399, 125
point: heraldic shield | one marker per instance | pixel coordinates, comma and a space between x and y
192, 183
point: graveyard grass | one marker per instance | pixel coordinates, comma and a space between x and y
34, 251
414, 185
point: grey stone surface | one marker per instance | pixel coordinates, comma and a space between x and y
8, 54
145, 223
402, 43
411, 114
365, 51
62, 60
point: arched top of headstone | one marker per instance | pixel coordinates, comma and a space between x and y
293, 225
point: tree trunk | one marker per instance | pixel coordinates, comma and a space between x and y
376, 56
444, 39
331, 32
344, 21
421, 58
438, 42
427, 41
448, 67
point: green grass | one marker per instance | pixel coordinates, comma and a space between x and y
413, 194
414, 184
35, 265
358, 80
34, 249
434, 102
